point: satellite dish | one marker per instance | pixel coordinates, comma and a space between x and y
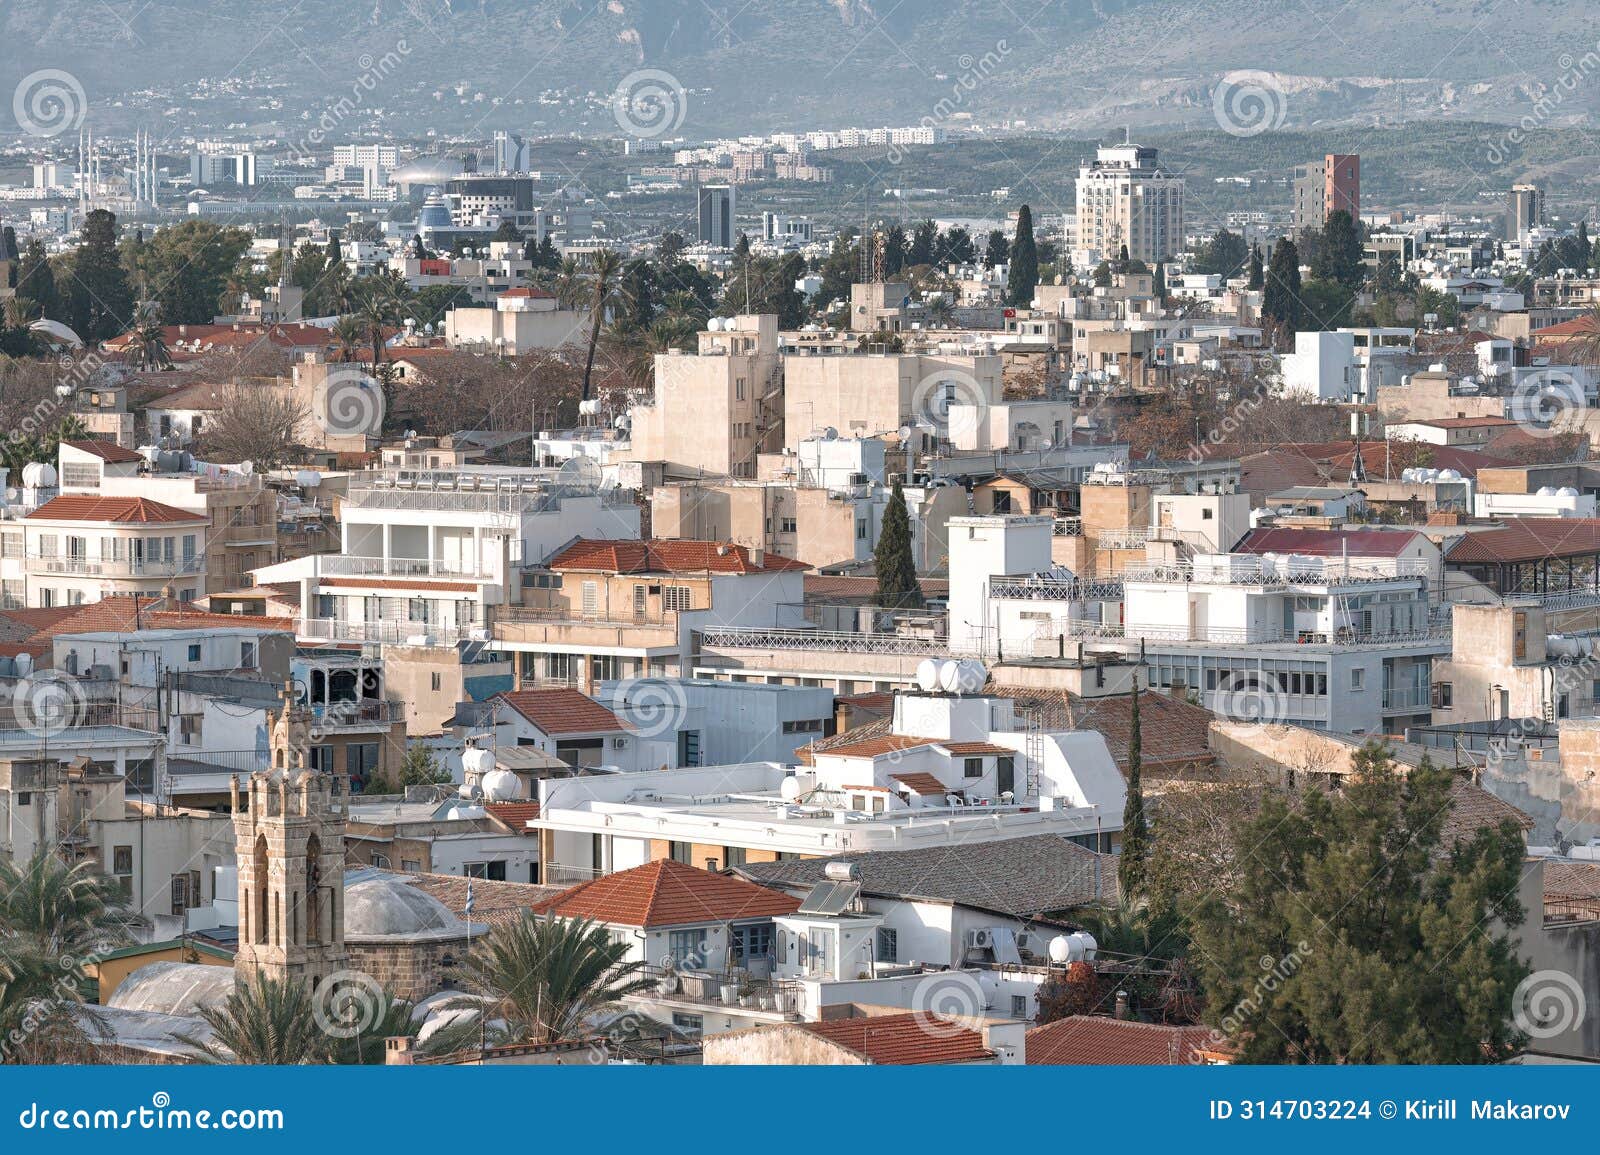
579, 471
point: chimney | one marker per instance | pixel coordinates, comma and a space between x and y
1120, 1012
399, 1051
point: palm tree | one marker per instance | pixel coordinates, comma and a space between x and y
21, 312
348, 332
378, 312
42, 1015
680, 303
266, 1021
606, 264
149, 346
549, 977
61, 910
69, 428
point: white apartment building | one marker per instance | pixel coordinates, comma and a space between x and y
955, 769
521, 320
1126, 198
79, 548
423, 552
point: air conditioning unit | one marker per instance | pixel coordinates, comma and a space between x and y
980, 939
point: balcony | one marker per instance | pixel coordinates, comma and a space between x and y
357, 717
1122, 538
726, 991
1248, 569
1067, 527
77, 566
1032, 587
346, 565
758, 638
1045, 638
388, 633
1407, 700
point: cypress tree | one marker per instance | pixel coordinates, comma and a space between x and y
36, 280
1158, 283
1257, 272
1023, 276
1132, 866
101, 301
1281, 292
898, 588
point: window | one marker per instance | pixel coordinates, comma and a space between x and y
190, 728
493, 871
360, 760
734, 856
247, 655
803, 726
605, 667
787, 525
418, 609
681, 852
750, 942
973, 767
436, 681
676, 598
861, 529
77, 475
1019, 1006
1443, 695
688, 1024
591, 597
411, 865
122, 860
687, 948
887, 948
194, 651
1358, 678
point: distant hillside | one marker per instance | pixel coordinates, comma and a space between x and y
785, 63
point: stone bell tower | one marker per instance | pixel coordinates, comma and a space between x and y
289, 842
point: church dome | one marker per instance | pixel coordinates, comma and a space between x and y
387, 907
173, 988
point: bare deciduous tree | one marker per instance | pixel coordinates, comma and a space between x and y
258, 423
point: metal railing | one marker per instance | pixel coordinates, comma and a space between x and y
114, 567
1409, 698
1068, 527
1035, 588
390, 633
336, 564
542, 615
1122, 538
364, 715
1047, 634
724, 989
559, 874
1246, 569
837, 641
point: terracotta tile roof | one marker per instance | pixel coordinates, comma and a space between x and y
1081, 1040
903, 1039
528, 291
1329, 542
923, 783
397, 583
1572, 883
1459, 422
970, 749
203, 396
514, 814
849, 587
668, 893
106, 451
493, 902
875, 700
121, 510
563, 711
664, 556
875, 747
1577, 327
1529, 539
121, 614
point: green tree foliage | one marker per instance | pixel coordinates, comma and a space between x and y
893, 240
767, 285
1022, 278
1256, 275
36, 280
550, 977
99, 298
955, 246
1382, 942
1131, 866
186, 268
924, 241
1339, 253
1280, 299
265, 1021
1102, 275
507, 232
1326, 304
421, 768
898, 588
1224, 254
996, 252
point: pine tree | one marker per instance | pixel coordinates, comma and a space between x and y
1257, 272
1132, 866
1385, 938
996, 252
1023, 277
100, 301
898, 588
1280, 299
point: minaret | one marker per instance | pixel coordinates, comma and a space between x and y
289, 844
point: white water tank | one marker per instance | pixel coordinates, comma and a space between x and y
927, 675
502, 786
39, 475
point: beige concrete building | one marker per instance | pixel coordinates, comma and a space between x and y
521, 320
1507, 661
1126, 198
869, 394
715, 410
